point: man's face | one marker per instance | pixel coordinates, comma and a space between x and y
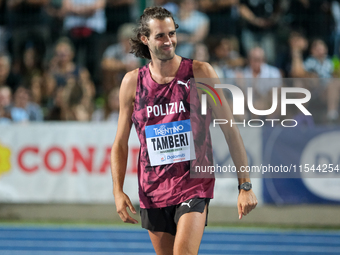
162, 40
21, 97
222, 51
319, 51
256, 59
5, 97
4, 69
63, 53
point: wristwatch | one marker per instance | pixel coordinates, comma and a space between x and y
246, 186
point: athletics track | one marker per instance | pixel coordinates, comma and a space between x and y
74, 240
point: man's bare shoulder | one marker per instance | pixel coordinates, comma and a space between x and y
202, 69
130, 78
129, 83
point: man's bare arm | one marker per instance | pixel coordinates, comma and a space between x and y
231, 134
247, 199
119, 152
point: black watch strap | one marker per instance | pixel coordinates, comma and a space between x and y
246, 186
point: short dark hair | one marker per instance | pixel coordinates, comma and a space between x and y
138, 48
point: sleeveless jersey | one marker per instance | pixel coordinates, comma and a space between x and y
170, 141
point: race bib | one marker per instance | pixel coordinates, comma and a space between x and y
170, 142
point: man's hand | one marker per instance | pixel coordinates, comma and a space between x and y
122, 201
246, 202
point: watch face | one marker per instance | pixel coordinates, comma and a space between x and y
246, 186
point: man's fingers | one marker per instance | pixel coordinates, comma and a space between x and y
246, 204
131, 220
239, 208
126, 217
254, 205
248, 207
245, 209
132, 209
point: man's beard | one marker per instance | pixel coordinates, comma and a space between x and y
164, 57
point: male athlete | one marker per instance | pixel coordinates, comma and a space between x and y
157, 97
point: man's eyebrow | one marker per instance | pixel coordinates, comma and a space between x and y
159, 34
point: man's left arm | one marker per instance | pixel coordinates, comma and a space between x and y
246, 199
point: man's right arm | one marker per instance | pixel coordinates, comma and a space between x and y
119, 152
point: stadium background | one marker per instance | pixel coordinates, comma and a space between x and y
58, 117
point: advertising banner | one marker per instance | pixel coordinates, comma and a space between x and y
315, 154
70, 162
61, 162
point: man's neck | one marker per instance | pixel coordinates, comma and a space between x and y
166, 68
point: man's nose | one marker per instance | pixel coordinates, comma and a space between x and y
168, 40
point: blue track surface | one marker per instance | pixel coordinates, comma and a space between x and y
15, 240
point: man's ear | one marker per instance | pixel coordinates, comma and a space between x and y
144, 39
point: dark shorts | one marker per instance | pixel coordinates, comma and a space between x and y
165, 219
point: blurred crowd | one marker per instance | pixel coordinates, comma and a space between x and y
65, 59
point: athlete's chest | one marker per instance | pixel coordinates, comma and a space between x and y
164, 100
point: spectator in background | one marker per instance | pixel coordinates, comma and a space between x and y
117, 59
223, 16
72, 102
321, 66
290, 61
31, 64
32, 73
261, 17
22, 101
257, 66
27, 22
84, 22
35, 86
63, 68
317, 65
225, 59
77, 101
63, 73
56, 14
193, 27
5, 66
6, 76
111, 108
6, 96
3, 37
170, 5
5, 101
118, 12
253, 75
201, 53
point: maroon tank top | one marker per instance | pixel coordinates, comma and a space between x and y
170, 141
